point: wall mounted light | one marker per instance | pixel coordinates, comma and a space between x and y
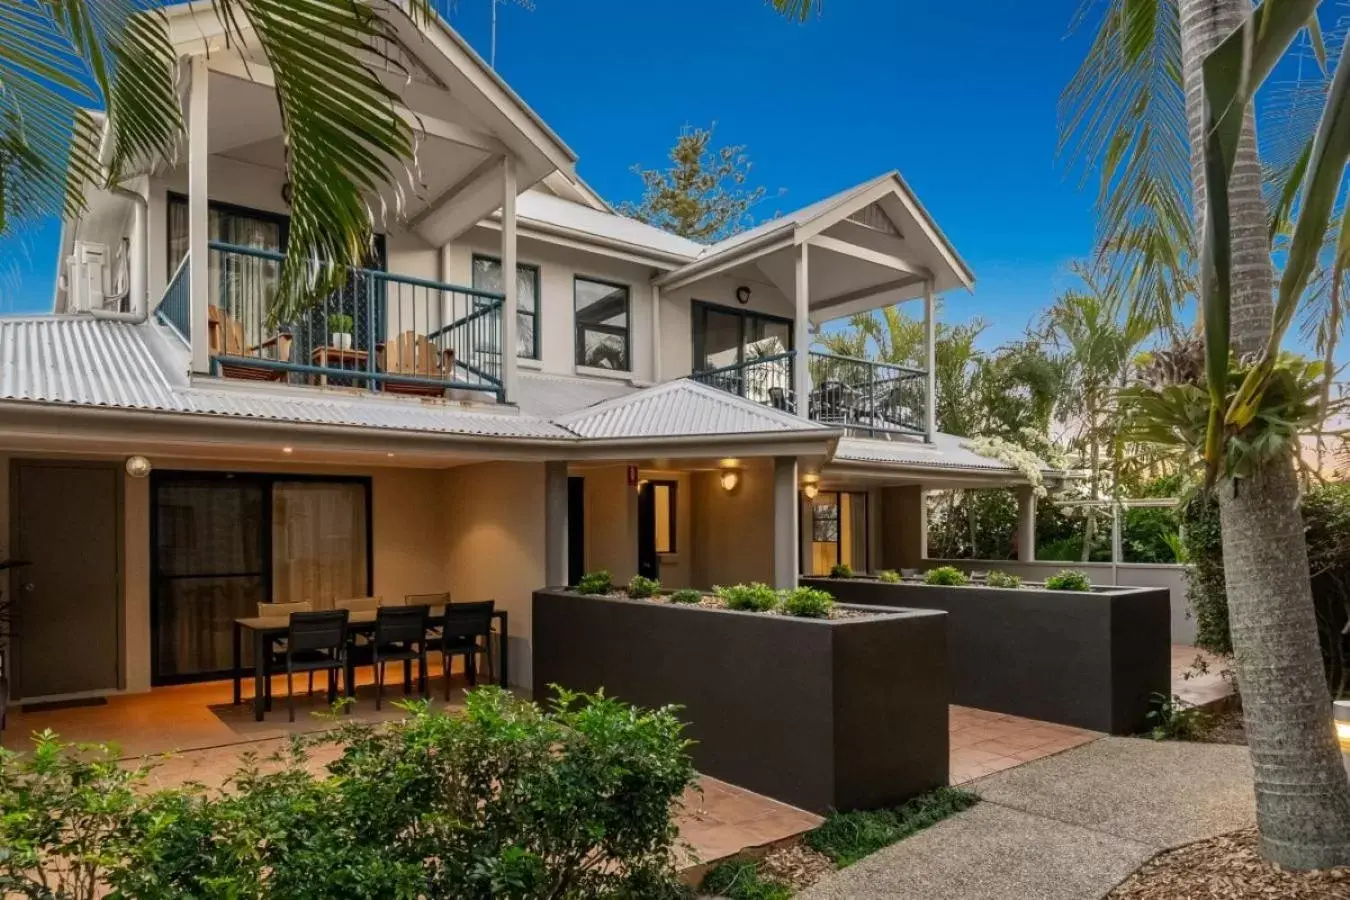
138, 466
742, 295
730, 478
287, 450
641, 482
810, 488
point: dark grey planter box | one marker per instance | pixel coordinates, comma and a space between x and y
822, 714
1090, 659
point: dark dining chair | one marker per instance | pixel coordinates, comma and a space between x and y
464, 624
316, 642
400, 636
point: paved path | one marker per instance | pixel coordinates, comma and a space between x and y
1070, 827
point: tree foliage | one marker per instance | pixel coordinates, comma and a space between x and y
704, 193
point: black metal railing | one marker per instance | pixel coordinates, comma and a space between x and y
860, 395
378, 331
866, 396
765, 379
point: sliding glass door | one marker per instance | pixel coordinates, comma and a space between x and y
225, 542
724, 336
839, 533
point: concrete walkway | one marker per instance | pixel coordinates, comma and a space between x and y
1069, 827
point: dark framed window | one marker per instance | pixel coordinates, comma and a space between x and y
487, 276
602, 318
664, 499
221, 543
727, 336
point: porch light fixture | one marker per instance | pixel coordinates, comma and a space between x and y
138, 466
730, 478
810, 487
287, 450
742, 295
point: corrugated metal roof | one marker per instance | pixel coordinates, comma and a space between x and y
84, 362
550, 396
682, 408
946, 452
541, 207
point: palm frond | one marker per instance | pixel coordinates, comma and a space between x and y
795, 9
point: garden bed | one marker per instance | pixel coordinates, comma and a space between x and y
1090, 659
846, 712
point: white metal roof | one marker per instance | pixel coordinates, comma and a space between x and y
550, 396
684, 408
537, 206
946, 452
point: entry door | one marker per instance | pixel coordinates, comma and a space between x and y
68, 601
649, 563
576, 529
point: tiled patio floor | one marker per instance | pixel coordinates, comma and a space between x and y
984, 742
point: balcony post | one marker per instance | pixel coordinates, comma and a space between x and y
555, 523
656, 334
930, 351
786, 516
801, 337
199, 219
1026, 524
509, 324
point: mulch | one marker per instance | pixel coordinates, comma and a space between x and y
1229, 867
796, 865
1227, 728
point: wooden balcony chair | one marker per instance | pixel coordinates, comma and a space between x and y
413, 355
226, 338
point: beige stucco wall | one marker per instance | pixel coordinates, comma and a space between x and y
494, 543
611, 522
732, 533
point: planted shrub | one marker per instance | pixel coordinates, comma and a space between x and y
888, 576
945, 575
1171, 719
847, 837
507, 800
842, 570
641, 588
741, 880
808, 603
686, 595
1068, 580
1003, 580
755, 597
596, 583
341, 323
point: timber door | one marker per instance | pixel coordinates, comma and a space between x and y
68, 601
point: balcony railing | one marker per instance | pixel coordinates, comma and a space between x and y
765, 379
379, 331
175, 310
859, 395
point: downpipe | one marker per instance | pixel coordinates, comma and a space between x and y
138, 263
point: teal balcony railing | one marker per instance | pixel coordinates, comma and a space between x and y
175, 308
859, 395
379, 331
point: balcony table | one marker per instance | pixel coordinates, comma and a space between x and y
268, 629
339, 358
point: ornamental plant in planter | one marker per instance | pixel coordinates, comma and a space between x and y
1068, 580
842, 570
785, 693
888, 576
340, 327
1002, 580
946, 575
640, 588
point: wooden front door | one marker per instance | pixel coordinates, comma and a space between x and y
68, 600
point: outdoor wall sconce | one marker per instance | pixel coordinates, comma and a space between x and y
138, 466
810, 489
730, 478
742, 295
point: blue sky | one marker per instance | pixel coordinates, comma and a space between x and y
959, 96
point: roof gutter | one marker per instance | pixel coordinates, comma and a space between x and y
691, 271
656, 258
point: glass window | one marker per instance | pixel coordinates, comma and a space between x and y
663, 502
838, 532
724, 336
602, 325
318, 542
487, 276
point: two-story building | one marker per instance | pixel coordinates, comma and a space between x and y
521, 386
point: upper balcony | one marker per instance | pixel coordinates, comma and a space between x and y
379, 332
865, 398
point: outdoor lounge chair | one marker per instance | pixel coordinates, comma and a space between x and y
226, 335
412, 354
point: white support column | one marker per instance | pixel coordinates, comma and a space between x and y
930, 349
801, 337
199, 220
555, 524
1026, 524
656, 334
786, 515
509, 277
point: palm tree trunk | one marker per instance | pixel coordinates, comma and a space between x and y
1302, 794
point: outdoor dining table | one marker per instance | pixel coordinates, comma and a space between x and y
266, 630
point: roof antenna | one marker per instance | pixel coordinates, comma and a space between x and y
528, 5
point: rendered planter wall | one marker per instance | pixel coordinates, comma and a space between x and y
1092, 660
823, 714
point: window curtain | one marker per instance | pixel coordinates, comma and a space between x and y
318, 542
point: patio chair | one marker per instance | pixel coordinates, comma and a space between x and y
226, 338
464, 624
413, 355
316, 642
278, 649
400, 635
